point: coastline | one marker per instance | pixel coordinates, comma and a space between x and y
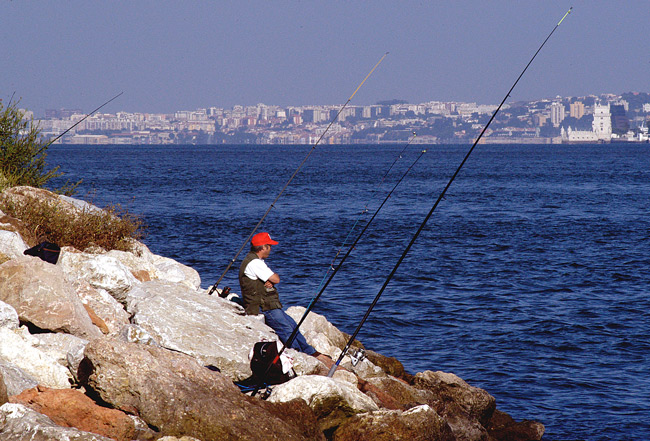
137, 301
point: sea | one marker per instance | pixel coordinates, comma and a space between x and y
531, 278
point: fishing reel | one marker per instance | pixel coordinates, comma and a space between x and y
266, 393
357, 356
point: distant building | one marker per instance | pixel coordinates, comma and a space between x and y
575, 136
539, 119
577, 110
557, 114
620, 122
602, 124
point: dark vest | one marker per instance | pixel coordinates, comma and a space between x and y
254, 293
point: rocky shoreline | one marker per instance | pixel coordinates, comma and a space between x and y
114, 346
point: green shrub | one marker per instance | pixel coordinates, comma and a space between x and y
23, 152
112, 228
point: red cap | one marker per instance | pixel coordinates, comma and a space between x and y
262, 239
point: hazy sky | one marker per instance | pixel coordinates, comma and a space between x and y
173, 55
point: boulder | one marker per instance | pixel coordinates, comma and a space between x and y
15, 379
20, 423
175, 438
3, 390
100, 270
177, 396
318, 332
332, 401
71, 408
420, 423
145, 266
66, 349
23, 351
42, 296
206, 327
503, 427
110, 315
11, 244
22, 193
466, 408
8, 316
172, 271
405, 395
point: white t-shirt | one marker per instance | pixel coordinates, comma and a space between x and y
257, 269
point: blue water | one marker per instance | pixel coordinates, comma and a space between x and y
531, 280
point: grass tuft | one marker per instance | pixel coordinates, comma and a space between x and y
112, 228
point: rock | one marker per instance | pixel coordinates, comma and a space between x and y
42, 296
3, 390
467, 409
22, 350
390, 365
11, 244
177, 396
15, 379
71, 408
172, 271
174, 438
100, 270
24, 193
503, 427
403, 394
66, 349
332, 401
420, 423
146, 266
206, 327
20, 423
318, 332
8, 316
111, 312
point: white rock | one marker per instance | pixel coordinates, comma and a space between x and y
11, 244
66, 349
100, 270
16, 379
322, 393
20, 423
22, 349
172, 271
318, 332
103, 305
8, 316
189, 321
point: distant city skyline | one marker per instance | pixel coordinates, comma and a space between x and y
167, 56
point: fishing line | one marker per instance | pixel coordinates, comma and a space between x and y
315, 299
408, 247
232, 261
365, 210
77, 123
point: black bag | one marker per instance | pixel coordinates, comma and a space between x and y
266, 365
47, 251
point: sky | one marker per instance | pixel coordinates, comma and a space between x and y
171, 55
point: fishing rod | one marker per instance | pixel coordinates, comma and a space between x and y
232, 261
315, 299
442, 194
76, 124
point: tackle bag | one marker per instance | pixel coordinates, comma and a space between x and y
266, 366
47, 251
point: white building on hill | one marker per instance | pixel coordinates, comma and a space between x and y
601, 128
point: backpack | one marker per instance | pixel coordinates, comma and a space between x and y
47, 251
267, 367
